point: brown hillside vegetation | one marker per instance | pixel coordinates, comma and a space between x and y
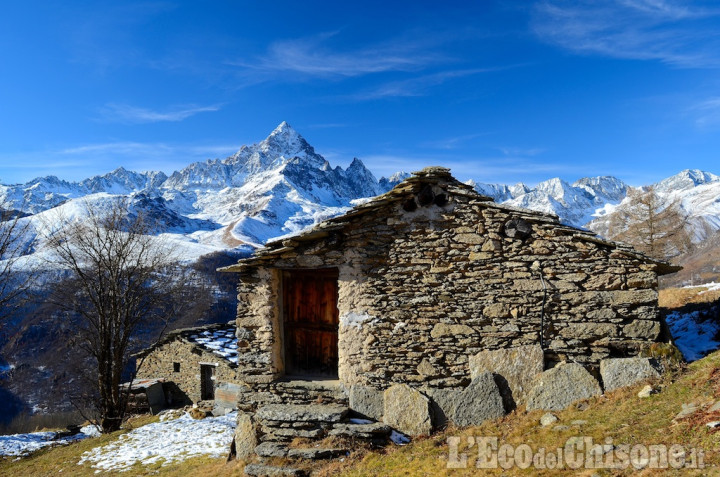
700, 265
620, 418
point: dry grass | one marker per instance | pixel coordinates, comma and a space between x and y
619, 415
679, 297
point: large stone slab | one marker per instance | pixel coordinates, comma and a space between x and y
361, 431
515, 370
315, 453
557, 388
470, 406
245, 436
407, 410
367, 401
620, 372
227, 395
271, 449
478, 402
302, 412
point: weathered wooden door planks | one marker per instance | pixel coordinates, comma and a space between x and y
311, 322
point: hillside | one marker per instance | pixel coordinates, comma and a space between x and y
616, 419
700, 265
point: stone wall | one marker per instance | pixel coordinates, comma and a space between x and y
433, 273
159, 363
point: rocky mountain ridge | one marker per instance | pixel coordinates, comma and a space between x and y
281, 185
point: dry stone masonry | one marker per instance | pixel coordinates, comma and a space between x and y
449, 308
432, 273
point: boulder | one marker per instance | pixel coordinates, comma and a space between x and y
557, 388
515, 370
367, 401
478, 402
245, 436
620, 372
407, 410
471, 406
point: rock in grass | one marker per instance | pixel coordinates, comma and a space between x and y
407, 410
557, 388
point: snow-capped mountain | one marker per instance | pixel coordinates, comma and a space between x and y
590, 202
574, 204
275, 187
282, 185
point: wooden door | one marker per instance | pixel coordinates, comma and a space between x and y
311, 322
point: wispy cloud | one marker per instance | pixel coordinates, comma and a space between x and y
676, 33
140, 151
503, 169
455, 142
418, 86
312, 56
132, 114
85, 160
706, 112
521, 151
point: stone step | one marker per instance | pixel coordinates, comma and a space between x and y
271, 449
327, 413
316, 453
263, 470
361, 431
301, 391
288, 433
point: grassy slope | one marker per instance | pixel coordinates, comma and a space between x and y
64, 461
620, 415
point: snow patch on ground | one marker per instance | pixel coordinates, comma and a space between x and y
693, 336
712, 286
399, 439
20, 445
165, 442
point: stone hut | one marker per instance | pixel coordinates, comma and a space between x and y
196, 364
407, 287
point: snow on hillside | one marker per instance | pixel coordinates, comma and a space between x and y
165, 442
20, 445
281, 186
693, 334
276, 187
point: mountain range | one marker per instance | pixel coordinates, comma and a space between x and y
282, 185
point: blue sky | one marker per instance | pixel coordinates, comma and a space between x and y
497, 91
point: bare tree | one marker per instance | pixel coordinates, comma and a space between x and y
14, 243
121, 280
651, 225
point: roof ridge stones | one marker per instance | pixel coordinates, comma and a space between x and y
419, 185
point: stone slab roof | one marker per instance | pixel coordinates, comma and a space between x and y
218, 339
401, 192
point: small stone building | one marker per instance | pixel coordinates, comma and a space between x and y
196, 364
408, 286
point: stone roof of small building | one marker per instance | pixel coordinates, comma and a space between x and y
218, 339
401, 192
